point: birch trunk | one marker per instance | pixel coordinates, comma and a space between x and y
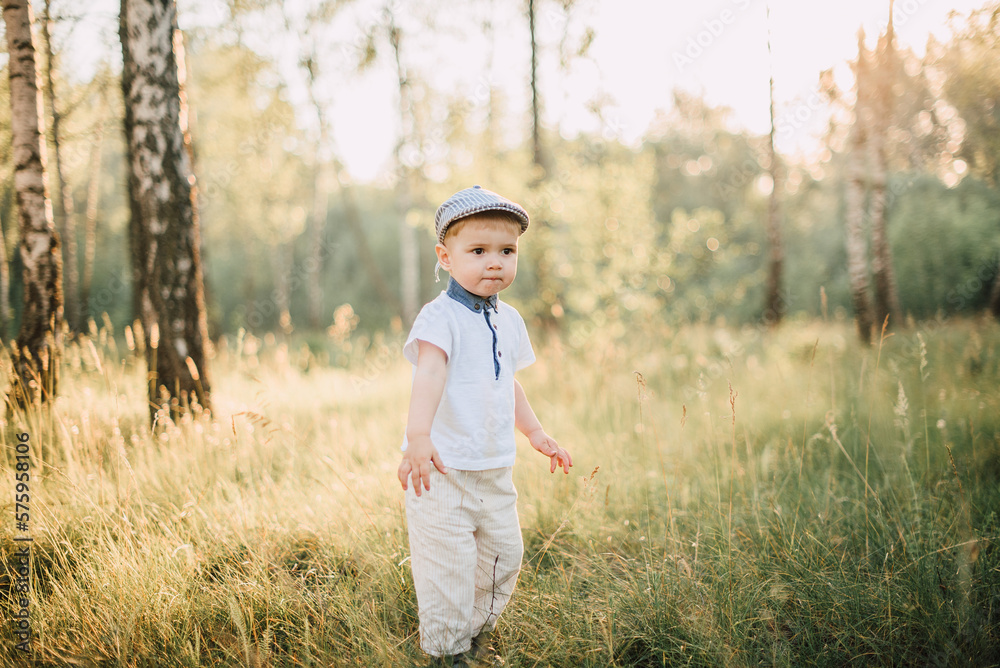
352, 216
90, 224
315, 261
4, 285
409, 272
164, 230
489, 136
541, 164
547, 304
62, 201
284, 260
37, 353
886, 294
857, 260
774, 306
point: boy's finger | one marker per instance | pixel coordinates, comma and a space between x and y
438, 464
416, 481
552, 463
403, 473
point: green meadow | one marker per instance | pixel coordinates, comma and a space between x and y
740, 497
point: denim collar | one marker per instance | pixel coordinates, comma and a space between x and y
473, 302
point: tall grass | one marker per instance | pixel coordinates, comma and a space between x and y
738, 498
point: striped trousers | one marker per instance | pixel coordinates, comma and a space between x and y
465, 553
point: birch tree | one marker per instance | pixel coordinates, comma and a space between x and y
330, 171
37, 352
547, 301
90, 219
62, 200
886, 303
321, 194
539, 157
164, 234
857, 254
408, 135
774, 305
6, 177
4, 279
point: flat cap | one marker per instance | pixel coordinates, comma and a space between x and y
472, 200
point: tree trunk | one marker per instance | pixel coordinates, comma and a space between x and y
886, 295
314, 288
538, 153
489, 136
774, 306
547, 300
164, 232
409, 260
62, 201
90, 226
4, 285
284, 260
36, 356
409, 264
314, 264
857, 261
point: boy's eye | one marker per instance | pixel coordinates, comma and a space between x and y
509, 251
477, 251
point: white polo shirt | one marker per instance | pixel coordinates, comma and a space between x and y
473, 429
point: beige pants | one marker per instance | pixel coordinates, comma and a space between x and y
465, 547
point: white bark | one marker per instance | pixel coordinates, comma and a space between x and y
857, 255
409, 269
774, 306
164, 229
65, 216
39, 340
883, 276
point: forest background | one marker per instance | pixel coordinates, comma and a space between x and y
667, 226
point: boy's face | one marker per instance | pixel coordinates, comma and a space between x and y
481, 254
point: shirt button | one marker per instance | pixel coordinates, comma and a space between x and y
499, 354
477, 307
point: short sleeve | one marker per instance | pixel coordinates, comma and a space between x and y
525, 354
432, 325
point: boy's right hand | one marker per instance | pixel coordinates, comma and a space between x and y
419, 456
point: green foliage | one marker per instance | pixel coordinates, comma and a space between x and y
971, 67
946, 246
623, 239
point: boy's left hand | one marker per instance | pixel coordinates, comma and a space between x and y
547, 445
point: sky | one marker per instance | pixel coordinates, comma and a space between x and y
642, 51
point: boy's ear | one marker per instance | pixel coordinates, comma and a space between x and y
443, 257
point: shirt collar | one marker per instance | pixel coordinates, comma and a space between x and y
473, 302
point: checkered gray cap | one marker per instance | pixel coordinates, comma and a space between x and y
474, 200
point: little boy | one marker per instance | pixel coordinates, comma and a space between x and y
465, 540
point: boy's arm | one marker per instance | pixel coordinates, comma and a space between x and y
428, 386
528, 424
